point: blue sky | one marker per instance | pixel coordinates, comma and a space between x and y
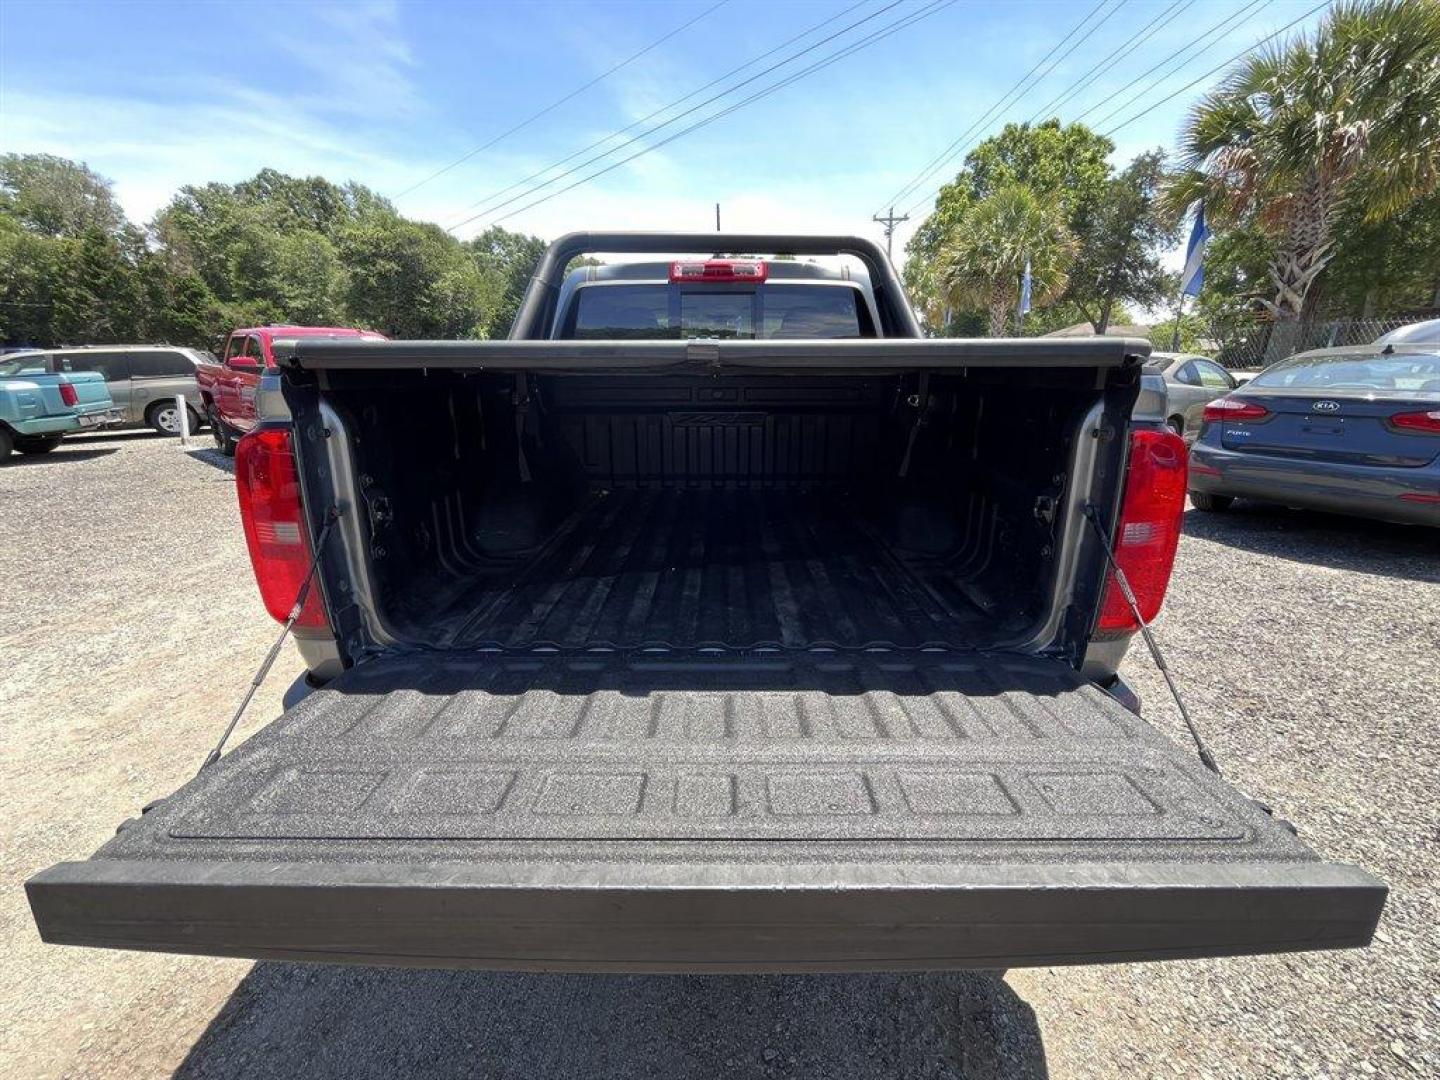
155, 95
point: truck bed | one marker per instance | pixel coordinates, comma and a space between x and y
687, 569
813, 810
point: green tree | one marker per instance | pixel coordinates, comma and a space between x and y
1299, 131
211, 231
55, 197
1237, 274
1194, 334
1120, 245
273, 248
1065, 313
984, 260
1066, 165
1384, 267
98, 295
513, 258
309, 202
308, 278
29, 267
411, 280
182, 309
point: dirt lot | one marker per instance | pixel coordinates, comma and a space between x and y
1310, 647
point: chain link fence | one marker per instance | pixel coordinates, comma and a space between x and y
1255, 344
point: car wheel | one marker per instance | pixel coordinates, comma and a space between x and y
223, 436
37, 444
164, 417
7, 443
1176, 424
1205, 501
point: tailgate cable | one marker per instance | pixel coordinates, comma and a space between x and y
331, 516
1206, 757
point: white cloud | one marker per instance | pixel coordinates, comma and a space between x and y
357, 56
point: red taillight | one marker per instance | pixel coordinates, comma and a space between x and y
718, 270
1425, 422
274, 520
68, 395
1149, 529
1229, 408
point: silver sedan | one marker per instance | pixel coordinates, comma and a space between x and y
1191, 383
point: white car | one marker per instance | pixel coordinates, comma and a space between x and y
1420, 333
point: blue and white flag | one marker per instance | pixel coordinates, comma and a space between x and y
1193, 276
1025, 290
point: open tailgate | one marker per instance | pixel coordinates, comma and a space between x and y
618, 812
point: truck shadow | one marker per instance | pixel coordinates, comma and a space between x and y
212, 456
64, 454
289, 1020
1407, 552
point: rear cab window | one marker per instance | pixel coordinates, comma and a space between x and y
775, 310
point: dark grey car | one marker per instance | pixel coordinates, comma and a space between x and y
1191, 383
1352, 431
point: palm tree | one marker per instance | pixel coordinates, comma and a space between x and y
983, 261
1299, 129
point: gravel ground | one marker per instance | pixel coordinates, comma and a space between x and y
1309, 648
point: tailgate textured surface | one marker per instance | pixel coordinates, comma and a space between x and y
885, 756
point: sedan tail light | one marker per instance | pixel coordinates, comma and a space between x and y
1149, 530
1425, 422
69, 395
1230, 408
274, 519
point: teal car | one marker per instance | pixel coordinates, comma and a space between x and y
39, 406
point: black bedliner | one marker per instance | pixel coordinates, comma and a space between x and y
696, 568
600, 810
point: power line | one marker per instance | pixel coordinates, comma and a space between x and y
1244, 10
663, 108
1144, 34
1193, 47
493, 206
933, 7
1007, 98
556, 104
930, 9
1218, 67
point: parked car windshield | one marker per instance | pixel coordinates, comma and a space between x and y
1415, 372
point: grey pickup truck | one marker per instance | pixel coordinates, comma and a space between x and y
715, 620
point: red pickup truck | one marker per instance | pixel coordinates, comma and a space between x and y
227, 387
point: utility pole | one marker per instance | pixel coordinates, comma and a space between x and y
717, 217
890, 221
